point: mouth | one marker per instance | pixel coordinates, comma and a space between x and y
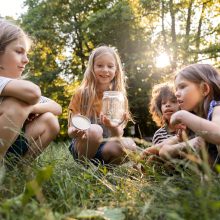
21, 67
104, 77
180, 102
168, 111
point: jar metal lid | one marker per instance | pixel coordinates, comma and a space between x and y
81, 122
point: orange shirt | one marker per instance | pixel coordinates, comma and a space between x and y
76, 106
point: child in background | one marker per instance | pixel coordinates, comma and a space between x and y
163, 104
22, 108
198, 95
103, 73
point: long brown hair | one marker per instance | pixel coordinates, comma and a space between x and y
198, 73
9, 33
87, 90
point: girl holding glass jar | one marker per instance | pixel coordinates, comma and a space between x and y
102, 100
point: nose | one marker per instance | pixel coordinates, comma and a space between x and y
177, 94
105, 68
167, 104
25, 59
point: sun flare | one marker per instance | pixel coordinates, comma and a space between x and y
162, 60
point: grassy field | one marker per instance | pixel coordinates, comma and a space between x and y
57, 187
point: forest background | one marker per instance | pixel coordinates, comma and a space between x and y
153, 38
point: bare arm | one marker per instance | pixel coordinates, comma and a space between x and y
23, 90
180, 149
209, 130
50, 106
156, 148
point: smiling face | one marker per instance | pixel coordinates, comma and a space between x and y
189, 94
104, 69
168, 107
14, 58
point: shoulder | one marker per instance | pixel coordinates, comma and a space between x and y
75, 101
161, 131
3, 82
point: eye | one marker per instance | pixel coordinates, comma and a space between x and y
19, 51
174, 100
181, 86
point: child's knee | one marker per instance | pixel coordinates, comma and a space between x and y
96, 132
128, 143
113, 149
51, 122
13, 108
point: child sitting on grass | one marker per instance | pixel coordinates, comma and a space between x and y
198, 95
163, 104
28, 121
103, 141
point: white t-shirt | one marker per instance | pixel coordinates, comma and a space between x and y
4, 81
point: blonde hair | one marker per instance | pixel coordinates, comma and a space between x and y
9, 33
87, 91
198, 73
159, 93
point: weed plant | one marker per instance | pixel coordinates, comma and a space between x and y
57, 187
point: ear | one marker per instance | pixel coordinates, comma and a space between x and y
205, 88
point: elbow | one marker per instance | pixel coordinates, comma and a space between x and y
59, 110
34, 95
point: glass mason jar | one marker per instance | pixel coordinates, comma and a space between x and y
113, 106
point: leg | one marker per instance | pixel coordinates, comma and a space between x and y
13, 113
114, 151
40, 133
88, 147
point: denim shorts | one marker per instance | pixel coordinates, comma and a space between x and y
97, 158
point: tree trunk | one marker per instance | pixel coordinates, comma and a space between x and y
187, 37
173, 35
198, 35
166, 48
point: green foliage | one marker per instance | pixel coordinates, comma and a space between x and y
65, 32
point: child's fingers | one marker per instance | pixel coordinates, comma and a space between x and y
125, 116
180, 126
81, 133
151, 150
76, 133
101, 117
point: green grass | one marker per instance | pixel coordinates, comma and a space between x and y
57, 187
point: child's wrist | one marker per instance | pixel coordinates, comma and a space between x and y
116, 131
